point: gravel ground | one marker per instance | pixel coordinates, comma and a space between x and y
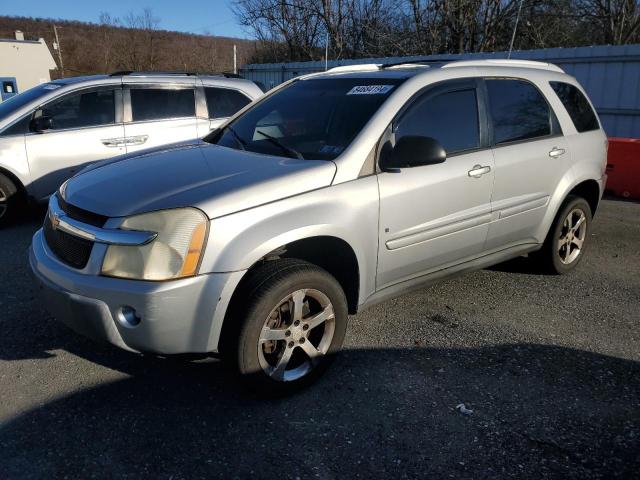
549, 366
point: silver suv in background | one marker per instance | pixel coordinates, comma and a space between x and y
331, 193
52, 131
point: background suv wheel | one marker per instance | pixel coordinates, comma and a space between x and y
291, 325
9, 201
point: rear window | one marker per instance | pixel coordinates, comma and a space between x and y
224, 102
162, 103
518, 110
581, 113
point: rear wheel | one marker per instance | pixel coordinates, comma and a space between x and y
293, 323
565, 244
9, 200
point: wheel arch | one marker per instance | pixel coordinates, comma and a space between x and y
586, 187
590, 191
331, 253
14, 178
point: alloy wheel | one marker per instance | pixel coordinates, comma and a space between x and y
572, 236
296, 335
3, 202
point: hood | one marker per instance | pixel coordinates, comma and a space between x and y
218, 180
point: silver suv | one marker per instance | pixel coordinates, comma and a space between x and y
333, 192
51, 131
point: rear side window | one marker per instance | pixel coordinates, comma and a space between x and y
451, 118
224, 102
577, 106
87, 109
518, 111
162, 103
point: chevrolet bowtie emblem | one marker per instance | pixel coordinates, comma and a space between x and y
55, 220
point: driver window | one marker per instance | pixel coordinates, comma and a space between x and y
87, 109
451, 118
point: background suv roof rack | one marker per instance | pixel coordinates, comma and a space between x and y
190, 74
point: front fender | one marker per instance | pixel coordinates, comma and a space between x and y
348, 211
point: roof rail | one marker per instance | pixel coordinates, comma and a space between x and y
149, 74
417, 63
504, 63
189, 74
356, 67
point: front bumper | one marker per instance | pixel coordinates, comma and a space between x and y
179, 316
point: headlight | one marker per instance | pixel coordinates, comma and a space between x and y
175, 252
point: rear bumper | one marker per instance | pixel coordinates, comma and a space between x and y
180, 316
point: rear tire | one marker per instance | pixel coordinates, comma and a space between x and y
566, 241
287, 323
10, 200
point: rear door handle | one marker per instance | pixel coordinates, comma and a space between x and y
137, 140
113, 142
478, 170
556, 152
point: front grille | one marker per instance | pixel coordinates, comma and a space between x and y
71, 250
81, 215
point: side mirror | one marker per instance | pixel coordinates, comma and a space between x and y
415, 151
40, 124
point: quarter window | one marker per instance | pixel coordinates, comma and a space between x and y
451, 118
577, 106
224, 102
87, 109
518, 110
162, 103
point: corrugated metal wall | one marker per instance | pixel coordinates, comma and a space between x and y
609, 73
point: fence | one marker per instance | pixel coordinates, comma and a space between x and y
609, 73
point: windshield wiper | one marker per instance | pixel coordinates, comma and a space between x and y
241, 142
281, 145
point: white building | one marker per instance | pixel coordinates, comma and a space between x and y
23, 64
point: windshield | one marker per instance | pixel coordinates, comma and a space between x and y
310, 119
16, 102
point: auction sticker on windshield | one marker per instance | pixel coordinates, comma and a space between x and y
370, 90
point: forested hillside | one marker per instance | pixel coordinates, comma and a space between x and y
134, 42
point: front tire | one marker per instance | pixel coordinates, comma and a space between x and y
566, 241
9, 200
292, 324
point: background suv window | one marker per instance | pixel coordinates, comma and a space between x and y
577, 106
518, 110
451, 118
162, 103
224, 102
87, 109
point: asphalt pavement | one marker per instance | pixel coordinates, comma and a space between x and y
549, 367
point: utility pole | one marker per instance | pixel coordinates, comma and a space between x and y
235, 60
326, 52
59, 49
515, 28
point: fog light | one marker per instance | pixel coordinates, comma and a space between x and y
128, 317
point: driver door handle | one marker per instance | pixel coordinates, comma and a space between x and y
478, 170
556, 152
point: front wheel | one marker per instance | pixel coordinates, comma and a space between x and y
292, 325
565, 244
9, 200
